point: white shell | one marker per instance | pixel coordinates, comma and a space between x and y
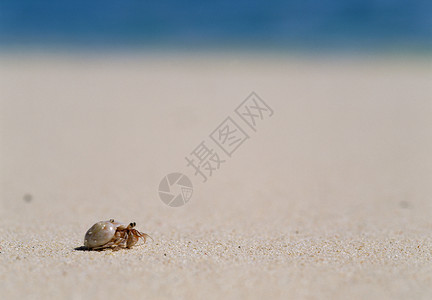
101, 233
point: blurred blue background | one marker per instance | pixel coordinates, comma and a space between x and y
188, 24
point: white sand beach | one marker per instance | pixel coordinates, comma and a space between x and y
330, 198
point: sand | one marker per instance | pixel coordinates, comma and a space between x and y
329, 199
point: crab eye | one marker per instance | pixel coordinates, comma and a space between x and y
111, 220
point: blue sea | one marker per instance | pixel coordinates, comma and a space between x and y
223, 23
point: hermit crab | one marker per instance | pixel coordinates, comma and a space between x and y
113, 235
